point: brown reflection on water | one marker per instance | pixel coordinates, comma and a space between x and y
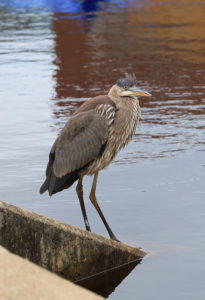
163, 43
71, 56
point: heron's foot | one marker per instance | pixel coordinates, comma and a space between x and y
87, 226
113, 237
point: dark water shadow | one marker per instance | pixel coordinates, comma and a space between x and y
104, 283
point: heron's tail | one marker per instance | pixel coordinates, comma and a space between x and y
44, 186
54, 184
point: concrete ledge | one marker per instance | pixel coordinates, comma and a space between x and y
68, 251
20, 279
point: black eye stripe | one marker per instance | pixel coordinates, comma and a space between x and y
124, 82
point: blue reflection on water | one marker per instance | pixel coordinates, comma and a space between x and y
58, 6
69, 6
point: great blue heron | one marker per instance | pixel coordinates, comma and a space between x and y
90, 140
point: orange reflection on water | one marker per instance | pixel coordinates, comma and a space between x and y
163, 43
159, 43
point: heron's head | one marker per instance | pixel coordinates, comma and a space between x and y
127, 87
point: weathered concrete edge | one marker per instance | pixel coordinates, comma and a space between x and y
70, 228
21, 279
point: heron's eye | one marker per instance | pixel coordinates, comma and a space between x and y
126, 87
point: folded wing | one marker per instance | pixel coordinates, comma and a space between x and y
79, 143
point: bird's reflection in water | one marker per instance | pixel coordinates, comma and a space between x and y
105, 282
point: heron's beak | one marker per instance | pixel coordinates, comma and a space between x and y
138, 92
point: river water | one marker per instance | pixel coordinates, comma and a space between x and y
54, 56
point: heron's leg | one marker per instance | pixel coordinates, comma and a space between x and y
94, 202
79, 190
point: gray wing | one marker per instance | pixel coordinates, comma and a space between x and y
79, 142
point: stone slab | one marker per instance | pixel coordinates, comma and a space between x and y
21, 279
